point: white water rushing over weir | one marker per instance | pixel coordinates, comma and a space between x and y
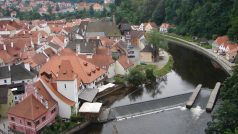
196, 112
150, 112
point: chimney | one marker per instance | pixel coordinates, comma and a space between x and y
9, 67
27, 66
4, 47
12, 44
85, 27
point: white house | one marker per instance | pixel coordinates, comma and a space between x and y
65, 75
164, 28
123, 64
15, 74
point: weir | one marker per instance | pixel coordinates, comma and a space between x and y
193, 97
148, 107
213, 96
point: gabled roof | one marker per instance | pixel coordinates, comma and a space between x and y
221, 40
30, 108
108, 28
42, 91
19, 72
148, 48
136, 34
125, 62
87, 46
6, 57
38, 59
5, 72
49, 52
86, 72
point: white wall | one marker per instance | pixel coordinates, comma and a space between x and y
111, 70
68, 89
8, 81
64, 109
119, 69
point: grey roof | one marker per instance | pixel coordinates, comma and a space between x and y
55, 46
88, 94
125, 27
86, 46
108, 28
136, 34
148, 48
4, 72
3, 94
19, 72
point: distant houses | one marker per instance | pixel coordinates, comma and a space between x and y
164, 27
224, 47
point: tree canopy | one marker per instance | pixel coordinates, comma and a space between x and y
203, 18
225, 118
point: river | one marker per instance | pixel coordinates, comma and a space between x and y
190, 69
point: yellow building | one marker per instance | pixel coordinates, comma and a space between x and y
6, 100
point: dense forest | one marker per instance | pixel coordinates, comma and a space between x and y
203, 18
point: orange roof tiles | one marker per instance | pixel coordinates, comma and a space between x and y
221, 40
66, 71
6, 57
30, 108
41, 89
81, 68
125, 62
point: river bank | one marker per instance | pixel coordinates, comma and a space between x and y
226, 65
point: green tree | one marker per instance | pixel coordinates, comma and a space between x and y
233, 30
226, 116
136, 77
155, 39
150, 75
50, 8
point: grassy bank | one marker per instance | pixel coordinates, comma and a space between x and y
166, 69
158, 72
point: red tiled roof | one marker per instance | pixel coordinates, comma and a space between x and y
30, 108
42, 91
125, 62
6, 57
165, 25
85, 71
66, 71
221, 40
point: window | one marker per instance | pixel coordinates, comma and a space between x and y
29, 123
37, 123
53, 111
12, 118
64, 85
5, 81
43, 118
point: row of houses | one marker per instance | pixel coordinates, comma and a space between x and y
59, 73
57, 7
